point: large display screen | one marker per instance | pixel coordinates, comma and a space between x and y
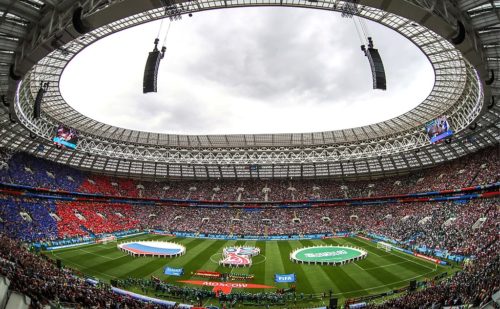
65, 137
438, 129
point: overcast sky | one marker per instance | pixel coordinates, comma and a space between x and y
250, 70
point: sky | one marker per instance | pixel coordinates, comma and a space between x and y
247, 70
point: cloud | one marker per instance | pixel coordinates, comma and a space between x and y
252, 70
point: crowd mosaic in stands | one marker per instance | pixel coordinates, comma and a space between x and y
450, 226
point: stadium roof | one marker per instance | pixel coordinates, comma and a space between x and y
38, 39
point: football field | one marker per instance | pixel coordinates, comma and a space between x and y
379, 272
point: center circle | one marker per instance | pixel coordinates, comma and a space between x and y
330, 255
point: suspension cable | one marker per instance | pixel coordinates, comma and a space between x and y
159, 30
166, 34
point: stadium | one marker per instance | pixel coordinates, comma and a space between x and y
400, 213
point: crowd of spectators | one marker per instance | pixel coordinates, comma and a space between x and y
27, 219
475, 285
468, 228
79, 218
188, 294
453, 226
456, 227
37, 277
32, 220
476, 169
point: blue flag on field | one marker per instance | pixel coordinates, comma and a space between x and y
173, 271
280, 278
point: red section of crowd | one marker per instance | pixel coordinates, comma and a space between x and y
99, 184
78, 219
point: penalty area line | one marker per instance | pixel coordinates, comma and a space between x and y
385, 285
400, 255
105, 257
88, 268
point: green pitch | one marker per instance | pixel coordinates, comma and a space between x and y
381, 271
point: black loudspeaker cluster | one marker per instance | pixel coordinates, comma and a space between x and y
151, 72
376, 65
413, 285
150, 80
38, 100
59, 263
38, 103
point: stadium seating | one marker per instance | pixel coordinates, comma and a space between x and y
474, 285
455, 227
462, 228
38, 278
479, 168
27, 219
414, 224
79, 219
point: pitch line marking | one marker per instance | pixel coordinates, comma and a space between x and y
383, 266
404, 258
90, 252
103, 256
359, 266
85, 267
385, 285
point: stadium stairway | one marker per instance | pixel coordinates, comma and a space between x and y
91, 234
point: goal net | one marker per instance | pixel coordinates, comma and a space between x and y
106, 239
384, 246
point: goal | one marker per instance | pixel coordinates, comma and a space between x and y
384, 246
106, 239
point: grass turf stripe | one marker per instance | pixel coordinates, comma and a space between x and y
303, 284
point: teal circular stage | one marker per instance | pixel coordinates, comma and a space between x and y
327, 255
